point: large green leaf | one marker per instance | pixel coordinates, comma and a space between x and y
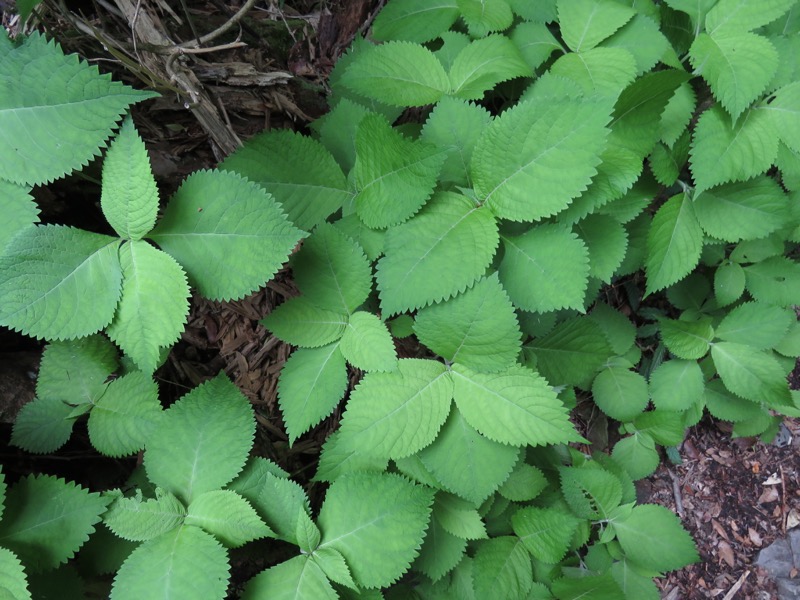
45, 276
202, 441
751, 374
483, 64
586, 23
652, 538
744, 15
154, 304
502, 569
620, 393
300, 322
19, 211
478, 328
674, 243
687, 339
414, 20
425, 260
367, 343
546, 532
377, 522
46, 520
227, 516
13, 580
299, 578
140, 519
756, 324
56, 111
775, 280
536, 157
297, 170
216, 215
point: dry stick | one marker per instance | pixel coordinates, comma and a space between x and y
736, 586
222, 28
784, 514
676, 491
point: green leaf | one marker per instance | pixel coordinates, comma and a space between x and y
607, 242
55, 111
42, 425
425, 260
367, 343
337, 130
729, 283
370, 240
414, 20
723, 152
775, 280
394, 176
544, 11
465, 462
597, 587
376, 521
586, 23
572, 352
46, 520
300, 322
619, 330
202, 441
642, 37
484, 16
620, 393
687, 339
674, 243
299, 578
339, 456
477, 329
592, 493
140, 519
751, 374
545, 269
154, 305
551, 148
307, 534
19, 211
535, 42
677, 114
398, 74
123, 418
696, 9
502, 569
665, 427
637, 454
722, 404
279, 502
440, 552
632, 583
784, 108
227, 516
13, 581
216, 215
516, 406
250, 480
483, 64
332, 271
297, 170
76, 371
601, 71
744, 15
458, 517
44, 275
129, 197
737, 66
397, 414
653, 539
546, 532
311, 384
676, 385
758, 325
184, 561
334, 566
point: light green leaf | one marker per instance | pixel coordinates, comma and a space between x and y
228, 517
502, 569
790, 343
477, 328
202, 441
535, 42
465, 462
377, 522
414, 20
591, 492
370, 240
696, 9
619, 330
637, 454
452, 43
76, 371
367, 343
279, 502
653, 539
154, 305
337, 130
775, 280
56, 111
187, 561
46, 520
44, 276
458, 517
140, 519
42, 425
338, 456
756, 324
724, 405
440, 552
334, 566
546, 532
484, 16
676, 385
311, 384
300, 322
642, 37
620, 393
123, 418
307, 534
599, 587
784, 109
516, 406
677, 114
664, 426
13, 581
606, 240
744, 15
586, 23
687, 339
19, 211
729, 283
397, 414
425, 260
674, 243
723, 152
536, 157
751, 374
299, 578
215, 215
398, 74
545, 269
632, 583
129, 197
601, 71
249, 481
483, 64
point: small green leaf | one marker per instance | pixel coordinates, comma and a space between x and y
601, 71
687, 339
19, 211
586, 23
729, 283
620, 393
227, 516
653, 539
619, 330
751, 374
606, 240
140, 519
666, 427
299, 578
300, 322
637, 454
676, 385
279, 502
602, 587
307, 534
756, 324
642, 37
458, 517
535, 42
484, 16
483, 64
546, 532
502, 569
334, 566
677, 114
42, 425
674, 243
592, 493
338, 456
440, 552
367, 343
414, 20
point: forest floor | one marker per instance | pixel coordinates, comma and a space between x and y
735, 496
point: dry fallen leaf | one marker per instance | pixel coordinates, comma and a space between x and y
726, 553
754, 536
792, 519
769, 495
773, 479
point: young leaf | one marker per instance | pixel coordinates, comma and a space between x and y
397, 414
637, 454
586, 23
76, 371
673, 244
751, 374
739, 15
592, 493
546, 532
440, 552
666, 427
227, 516
129, 197
414, 20
301, 322
46, 520
202, 441
307, 534
539, 145
484, 16
44, 275
19, 211
424, 259
689, 340
758, 325
334, 566
279, 502
184, 561
57, 114
620, 393
299, 578
483, 64
677, 385
502, 569
376, 521
516, 406
42, 425
154, 305
394, 176
13, 581
370, 240
215, 215
653, 539
367, 343
545, 269
138, 519
311, 384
